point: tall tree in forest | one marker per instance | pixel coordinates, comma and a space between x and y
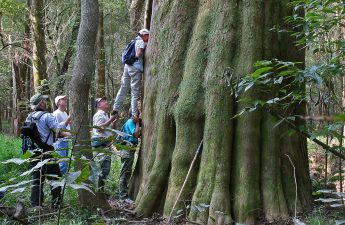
39, 64
100, 81
244, 172
137, 14
62, 69
19, 58
83, 71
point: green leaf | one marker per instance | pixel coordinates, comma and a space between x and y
84, 176
72, 176
81, 186
125, 147
15, 161
15, 185
339, 117
27, 155
339, 222
18, 190
274, 100
260, 71
248, 86
279, 81
327, 200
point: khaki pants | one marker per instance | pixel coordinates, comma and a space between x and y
131, 77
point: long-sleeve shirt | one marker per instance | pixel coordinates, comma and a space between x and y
46, 125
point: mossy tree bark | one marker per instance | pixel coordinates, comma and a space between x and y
243, 173
39, 64
83, 71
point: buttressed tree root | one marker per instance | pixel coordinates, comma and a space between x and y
243, 174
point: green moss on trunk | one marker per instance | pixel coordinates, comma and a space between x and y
243, 174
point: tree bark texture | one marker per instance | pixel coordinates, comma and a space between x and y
67, 59
39, 64
137, 13
100, 81
243, 173
83, 72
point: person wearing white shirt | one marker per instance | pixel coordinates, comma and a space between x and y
101, 137
62, 143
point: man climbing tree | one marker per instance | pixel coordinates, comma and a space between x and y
244, 172
132, 74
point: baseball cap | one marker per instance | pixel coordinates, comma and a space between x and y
37, 98
98, 100
57, 98
144, 31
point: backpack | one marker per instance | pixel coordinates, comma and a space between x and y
128, 54
31, 138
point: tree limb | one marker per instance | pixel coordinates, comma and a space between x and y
294, 127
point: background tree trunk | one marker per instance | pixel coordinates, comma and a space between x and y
39, 64
83, 71
244, 173
100, 81
67, 59
21, 73
137, 12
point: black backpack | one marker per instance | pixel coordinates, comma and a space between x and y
31, 138
128, 54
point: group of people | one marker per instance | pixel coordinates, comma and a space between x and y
53, 129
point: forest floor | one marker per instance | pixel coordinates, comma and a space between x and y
122, 213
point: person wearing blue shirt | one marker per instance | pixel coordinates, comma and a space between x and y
46, 126
132, 129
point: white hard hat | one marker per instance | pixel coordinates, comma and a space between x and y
57, 98
144, 31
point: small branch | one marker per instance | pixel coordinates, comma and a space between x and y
120, 210
45, 215
293, 126
15, 45
193, 222
185, 180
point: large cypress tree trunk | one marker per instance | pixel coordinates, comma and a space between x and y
83, 71
243, 173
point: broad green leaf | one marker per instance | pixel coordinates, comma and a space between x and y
85, 173
15, 161
18, 190
339, 117
260, 71
326, 200
15, 185
81, 186
72, 176
279, 80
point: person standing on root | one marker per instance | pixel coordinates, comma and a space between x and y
46, 127
62, 142
132, 75
101, 138
132, 129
